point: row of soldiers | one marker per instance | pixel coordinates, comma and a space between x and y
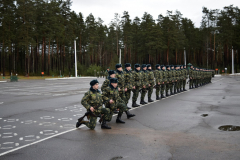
117, 88
170, 79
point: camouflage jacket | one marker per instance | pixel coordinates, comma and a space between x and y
105, 83
150, 77
190, 73
128, 76
177, 75
92, 98
173, 75
165, 76
145, 81
111, 93
137, 78
185, 73
106, 74
121, 80
169, 76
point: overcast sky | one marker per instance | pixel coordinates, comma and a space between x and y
105, 9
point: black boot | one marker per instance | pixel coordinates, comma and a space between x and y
134, 104
178, 90
129, 115
150, 100
162, 96
78, 124
171, 93
118, 120
175, 92
142, 102
167, 94
184, 89
158, 98
104, 125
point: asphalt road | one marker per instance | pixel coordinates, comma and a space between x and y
37, 121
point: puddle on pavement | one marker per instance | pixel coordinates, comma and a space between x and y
204, 115
116, 158
229, 128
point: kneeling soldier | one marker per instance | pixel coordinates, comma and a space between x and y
113, 101
93, 102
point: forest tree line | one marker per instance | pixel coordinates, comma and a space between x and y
38, 36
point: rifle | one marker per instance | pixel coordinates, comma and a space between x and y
89, 113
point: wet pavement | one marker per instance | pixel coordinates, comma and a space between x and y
37, 121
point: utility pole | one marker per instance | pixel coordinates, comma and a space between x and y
232, 61
75, 50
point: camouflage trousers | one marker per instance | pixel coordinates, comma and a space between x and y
127, 95
158, 89
190, 83
93, 120
143, 93
163, 87
122, 95
167, 87
135, 93
121, 106
184, 83
150, 90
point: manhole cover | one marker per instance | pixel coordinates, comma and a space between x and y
204, 115
229, 128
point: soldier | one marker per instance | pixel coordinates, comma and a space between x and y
176, 83
113, 101
121, 81
163, 86
173, 79
151, 82
169, 80
137, 83
191, 77
106, 73
158, 80
111, 74
128, 81
185, 75
145, 83
93, 102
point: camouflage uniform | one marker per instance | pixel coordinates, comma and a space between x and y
190, 78
137, 82
151, 82
173, 79
93, 98
105, 84
185, 76
163, 86
128, 84
121, 84
169, 80
158, 79
112, 93
106, 74
176, 79
145, 83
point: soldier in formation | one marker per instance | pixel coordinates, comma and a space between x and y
117, 88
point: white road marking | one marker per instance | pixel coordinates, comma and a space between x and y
7, 127
8, 145
29, 122
29, 138
65, 119
48, 132
1, 102
67, 126
11, 120
47, 117
46, 124
61, 109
